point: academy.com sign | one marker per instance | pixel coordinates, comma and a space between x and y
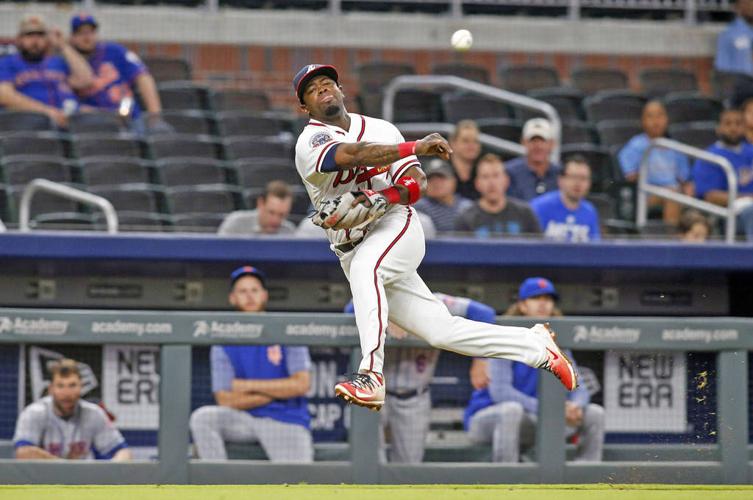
131, 328
699, 335
612, 334
227, 329
321, 330
36, 326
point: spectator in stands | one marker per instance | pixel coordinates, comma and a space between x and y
118, 73
270, 216
2, 226
441, 203
495, 213
747, 109
505, 413
534, 174
260, 390
734, 51
694, 227
711, 182
36, 80
466, 149
62, 425
565, 214
666, 168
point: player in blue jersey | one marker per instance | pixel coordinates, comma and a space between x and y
35, 79
565, 214
260, 390
118, 74
504, 412
710, 180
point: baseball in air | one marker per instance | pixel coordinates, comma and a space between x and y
461, 40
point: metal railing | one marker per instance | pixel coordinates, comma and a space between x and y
55, 188
446, 129
518, 100
645, 189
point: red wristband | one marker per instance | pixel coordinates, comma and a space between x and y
414, 191
406, 149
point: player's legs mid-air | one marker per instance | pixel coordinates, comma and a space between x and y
386, 286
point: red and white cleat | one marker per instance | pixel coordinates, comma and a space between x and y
557, 363
364, 389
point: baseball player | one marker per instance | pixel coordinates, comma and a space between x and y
62, 425
362, 178
408, 371
260, 390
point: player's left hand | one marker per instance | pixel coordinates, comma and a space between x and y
351, 210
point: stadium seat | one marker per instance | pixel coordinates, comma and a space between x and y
109, 170
60, 221
129, 220
370, 104
37, 143
16, 121
614, 105
724, 84
698, 134
184, 95
474, 72
5, 210
106, 145
417, 106
503, 128
42, 203
133, 197
191, 171
95, 122
19, 170
201, 222
656, 82
463, 106
684, 107
603, 170
616, 133
374, 76
189, 122
208, 198
165, 69
526, 77
232, 123
565, 100
258, 172
593, 80
242, 147
248, 101
576, 132
183, 146
604, 205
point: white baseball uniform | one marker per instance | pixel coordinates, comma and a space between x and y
380, 261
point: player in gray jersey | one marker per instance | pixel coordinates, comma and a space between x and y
408, 372
62, 425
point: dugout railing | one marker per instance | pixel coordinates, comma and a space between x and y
730, 338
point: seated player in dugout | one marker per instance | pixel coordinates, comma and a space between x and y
62, 425
503, 409
260, 390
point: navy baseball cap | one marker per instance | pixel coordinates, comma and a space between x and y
308, 72
535, 287
248, 271
81, 20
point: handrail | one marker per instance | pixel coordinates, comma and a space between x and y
446, 129
644, 188
412, 81
111, 217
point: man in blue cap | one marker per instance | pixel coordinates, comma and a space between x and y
260, 390
504, 412
118, 74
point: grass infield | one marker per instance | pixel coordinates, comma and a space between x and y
366, 492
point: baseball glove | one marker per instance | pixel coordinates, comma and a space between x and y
351, 210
